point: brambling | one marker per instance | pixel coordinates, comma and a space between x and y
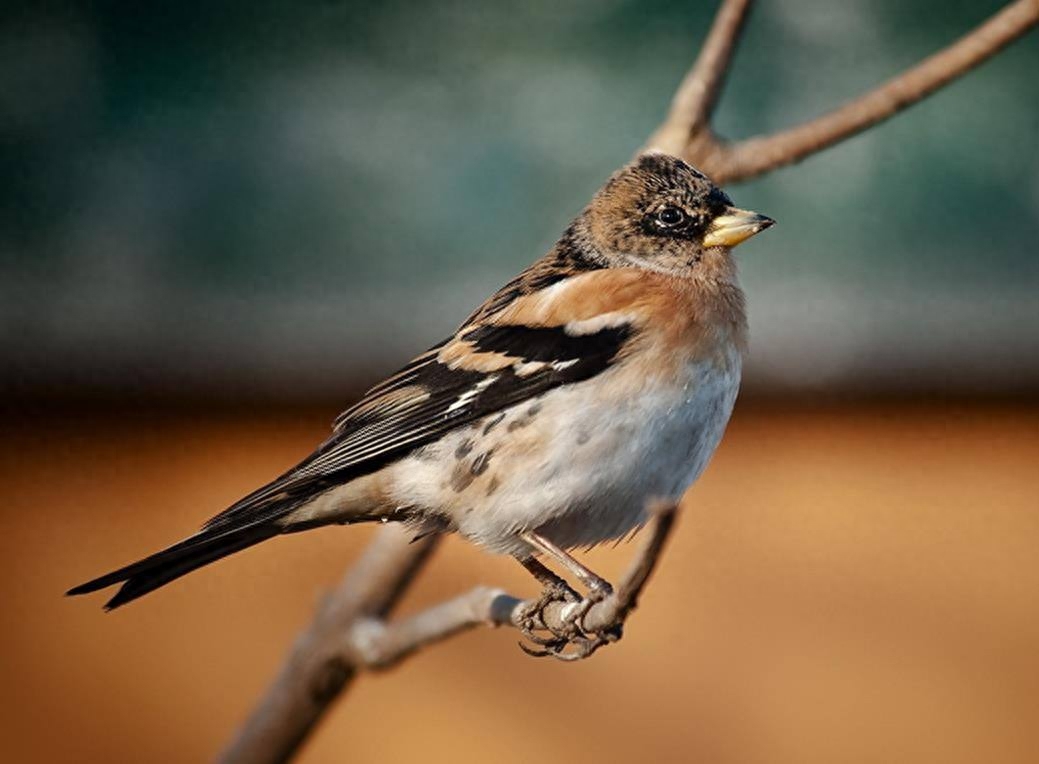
600, 377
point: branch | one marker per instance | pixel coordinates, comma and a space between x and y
350, 634
730, 162
317, 672
691, 108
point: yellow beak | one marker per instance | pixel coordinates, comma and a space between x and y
734, 226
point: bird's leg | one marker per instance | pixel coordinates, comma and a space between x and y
548, 579
598, 588
556, 590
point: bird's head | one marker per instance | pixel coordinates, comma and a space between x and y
661, 214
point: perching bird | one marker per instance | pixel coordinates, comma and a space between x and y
599, 378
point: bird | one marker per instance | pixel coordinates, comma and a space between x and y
603, 376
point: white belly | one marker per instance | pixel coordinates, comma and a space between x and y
576, 469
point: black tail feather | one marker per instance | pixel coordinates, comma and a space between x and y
171, 563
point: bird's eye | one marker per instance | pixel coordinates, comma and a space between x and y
670, 217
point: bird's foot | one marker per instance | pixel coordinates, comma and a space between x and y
534, 621
562, 634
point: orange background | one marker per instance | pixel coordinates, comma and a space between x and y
847, 583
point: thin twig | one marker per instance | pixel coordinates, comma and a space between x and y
316, 672
691, 108
376, 644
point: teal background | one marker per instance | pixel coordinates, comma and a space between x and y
286, 200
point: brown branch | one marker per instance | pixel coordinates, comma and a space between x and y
742, 160
350, 634
688, 120
317, 671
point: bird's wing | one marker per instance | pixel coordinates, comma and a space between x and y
567, 331
483, 369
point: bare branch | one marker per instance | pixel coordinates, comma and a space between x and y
694, 101
753, 157
349, 635
730, 162
374, 644
316, 672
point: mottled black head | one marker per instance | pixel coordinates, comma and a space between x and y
676, 201
662, 214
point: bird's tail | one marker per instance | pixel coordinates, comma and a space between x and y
171, 563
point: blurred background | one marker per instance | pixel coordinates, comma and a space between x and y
220, 222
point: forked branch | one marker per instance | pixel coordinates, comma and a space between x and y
688, 121
319, 669
687, 133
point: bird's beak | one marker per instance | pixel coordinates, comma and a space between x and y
734, 226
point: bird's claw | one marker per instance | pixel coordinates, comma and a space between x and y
533, 617
571, 642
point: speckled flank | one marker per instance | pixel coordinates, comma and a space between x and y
466, 470
523, 419
461, 477
481, 463
493, 422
